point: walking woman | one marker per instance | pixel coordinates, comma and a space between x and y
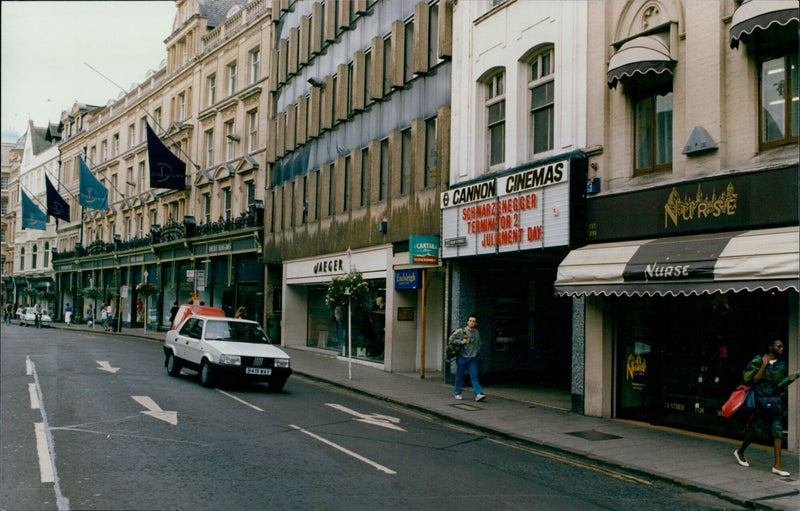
763, 374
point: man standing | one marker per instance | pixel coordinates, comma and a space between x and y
469, 339
38, 309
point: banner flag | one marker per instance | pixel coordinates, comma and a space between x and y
32, 216
92, 193
56, 205
166, 169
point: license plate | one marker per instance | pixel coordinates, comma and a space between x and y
258, 370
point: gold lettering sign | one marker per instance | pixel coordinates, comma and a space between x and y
701, 206
636, 366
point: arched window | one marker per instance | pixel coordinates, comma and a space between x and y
541, 89
33, 257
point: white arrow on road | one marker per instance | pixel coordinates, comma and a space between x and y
153, 410
375, 419
106, 366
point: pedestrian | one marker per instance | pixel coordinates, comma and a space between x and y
172, 312
469, 339
38, 309
241, 313
9, 311
68, 314
90, 316
106, 316
764, 374
103, 315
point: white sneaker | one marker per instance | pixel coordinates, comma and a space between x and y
458, 396
480, 397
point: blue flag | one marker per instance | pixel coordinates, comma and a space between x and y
166, 169
32, 216
92, 193
56, 205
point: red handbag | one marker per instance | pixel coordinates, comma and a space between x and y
738, 398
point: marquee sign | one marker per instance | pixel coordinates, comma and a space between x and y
525, 210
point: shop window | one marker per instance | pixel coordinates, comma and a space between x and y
652, 117
496, 117
778, 97
541, 86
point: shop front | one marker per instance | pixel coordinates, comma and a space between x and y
503, 237
677, 302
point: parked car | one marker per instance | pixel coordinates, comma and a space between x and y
28, 317
188, 309
223, 349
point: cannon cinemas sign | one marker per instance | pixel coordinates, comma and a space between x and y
525, 210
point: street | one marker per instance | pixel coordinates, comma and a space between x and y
93, 421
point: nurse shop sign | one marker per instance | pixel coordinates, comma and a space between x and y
521, 211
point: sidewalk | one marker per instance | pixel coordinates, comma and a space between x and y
695, 461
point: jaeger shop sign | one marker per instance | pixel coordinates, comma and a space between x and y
521, 211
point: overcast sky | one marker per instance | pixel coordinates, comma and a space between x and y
45, 46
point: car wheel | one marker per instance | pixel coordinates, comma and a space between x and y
206, 375
173, 366
276, 385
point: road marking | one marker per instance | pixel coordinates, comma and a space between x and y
34, 396
155, 411
254, 407
344, 450
611, 473
44, 444
375, 419
28, 367
106, 366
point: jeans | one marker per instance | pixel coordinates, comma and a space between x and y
470, 365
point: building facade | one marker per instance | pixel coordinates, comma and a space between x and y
691, 266
10, 170
153, 247
359, 155
517, 179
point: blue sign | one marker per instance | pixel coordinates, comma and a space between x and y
406, 279
423, 249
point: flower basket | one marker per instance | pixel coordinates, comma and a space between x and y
350, 288
92, 293
145, 289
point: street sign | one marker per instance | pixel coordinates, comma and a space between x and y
124, 292
189, 275
201, 280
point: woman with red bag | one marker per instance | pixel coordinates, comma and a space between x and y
764, 373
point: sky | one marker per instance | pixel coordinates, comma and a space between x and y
46, 46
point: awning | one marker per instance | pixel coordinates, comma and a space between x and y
763, 259
644, 55
762, 15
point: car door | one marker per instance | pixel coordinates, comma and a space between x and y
193, 340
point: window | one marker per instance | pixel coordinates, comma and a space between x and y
47, 253
541, 86
251, 193
153, 217
115, 146
129, 181
22, 258
33, 257
209, 148
364, 177
157, 115
227, 194
653, 133
229, 140
207, 208
433, 36
143, 128
779, 112
181, 106
4, 207
255, 65
383, 185
431, 177
104, 150
346, 195
405, 162
387, 66
212, 89
93, 155
252, 130
113, 188
496, 109
231, 78
4, 183
142, 177
139, 226
408, 52
131, 135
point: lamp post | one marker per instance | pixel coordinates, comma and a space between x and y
349, 335
146, 302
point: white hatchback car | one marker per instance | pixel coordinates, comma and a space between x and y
222, 349
28, 317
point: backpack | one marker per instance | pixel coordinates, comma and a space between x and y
454, 350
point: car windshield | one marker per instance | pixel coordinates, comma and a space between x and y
235, 331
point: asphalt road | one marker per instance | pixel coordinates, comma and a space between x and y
92, 421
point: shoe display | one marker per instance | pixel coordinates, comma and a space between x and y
780, 472
458, 396
480, 397
743, 462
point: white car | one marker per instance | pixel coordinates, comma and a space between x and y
222, 349
28, 317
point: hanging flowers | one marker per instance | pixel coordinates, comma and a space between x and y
92, 293
350, 287
145, 289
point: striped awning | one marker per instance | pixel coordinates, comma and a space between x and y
765, 259
755, 16
643, 55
